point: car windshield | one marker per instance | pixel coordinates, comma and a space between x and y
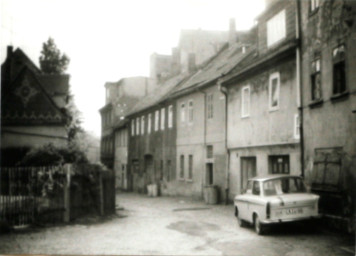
283, 186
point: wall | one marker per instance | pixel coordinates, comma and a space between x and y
120, 157
264, 132
331, 123
159, 145
33, 136
193, 138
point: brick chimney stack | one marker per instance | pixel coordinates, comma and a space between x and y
232, 32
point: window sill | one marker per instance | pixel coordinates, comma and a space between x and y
339, 96
316, 103
244, 117
189, 181
181, 179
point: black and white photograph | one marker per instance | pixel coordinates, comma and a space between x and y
178, 127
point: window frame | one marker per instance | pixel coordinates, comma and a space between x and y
170, 116
156, 128
182, 112
181, 167
190, 168
338, 60
273, 28
137, 126
273, 76
162, 113
142, 125
315, 70
132, 127
149, 123
243, 111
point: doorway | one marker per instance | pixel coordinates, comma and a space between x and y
248, 170
209, 174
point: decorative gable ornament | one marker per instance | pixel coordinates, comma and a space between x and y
25, 92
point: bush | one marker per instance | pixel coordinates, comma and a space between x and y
52, 155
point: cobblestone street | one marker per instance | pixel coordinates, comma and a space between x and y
172, 226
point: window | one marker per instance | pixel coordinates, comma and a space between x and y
163, 112
138, 126
132, 127
156, 120
209, 104
339, 75
273, 91
170, 116
190, 111
296, 127
314, 5
245, 101
209, 151
276, 28
142, 125
190, 168
279, 164
256, 188
315, 79
149, 123
181, 173
107, 94
182, 112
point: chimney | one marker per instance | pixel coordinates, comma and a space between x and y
175, 61
191, 62
232, 32
9, 50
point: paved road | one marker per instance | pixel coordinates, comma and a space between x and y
173, 226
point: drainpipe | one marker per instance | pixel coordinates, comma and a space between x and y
223, 90
299, 84
204, 139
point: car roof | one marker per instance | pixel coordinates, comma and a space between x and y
273, 176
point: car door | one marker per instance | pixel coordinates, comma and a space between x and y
243, 201
254, 200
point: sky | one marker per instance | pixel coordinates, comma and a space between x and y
107, 40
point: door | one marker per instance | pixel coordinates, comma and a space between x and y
248, 170
149, 170
209, 174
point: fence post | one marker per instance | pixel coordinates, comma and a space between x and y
66, 188
101, 193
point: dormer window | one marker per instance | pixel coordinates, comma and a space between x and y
276, 28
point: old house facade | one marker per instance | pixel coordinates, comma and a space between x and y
121, 96
263, 121
32, 106
152, 143
329, 101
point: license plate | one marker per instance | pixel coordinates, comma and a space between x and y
294, 211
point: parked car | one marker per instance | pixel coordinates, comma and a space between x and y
275, 199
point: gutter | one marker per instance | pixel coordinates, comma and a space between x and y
223, 90
299, 84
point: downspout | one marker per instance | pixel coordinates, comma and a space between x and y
299, 84
204, 138
223, 90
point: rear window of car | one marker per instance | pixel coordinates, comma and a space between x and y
283, 186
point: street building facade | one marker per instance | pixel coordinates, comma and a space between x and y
262, 118
329, 102
32, 106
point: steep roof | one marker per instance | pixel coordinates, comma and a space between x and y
55, 84
217, 66
159, 94
26, 101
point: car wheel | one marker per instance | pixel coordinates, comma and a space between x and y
259, 228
